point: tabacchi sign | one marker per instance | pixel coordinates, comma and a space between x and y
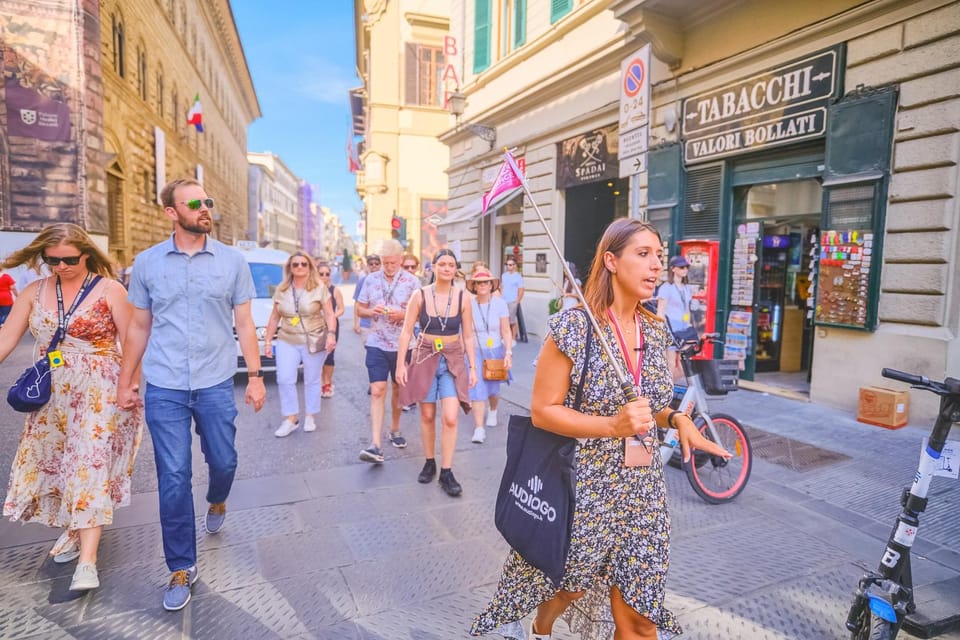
783, 105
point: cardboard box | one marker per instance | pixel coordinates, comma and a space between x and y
883, 407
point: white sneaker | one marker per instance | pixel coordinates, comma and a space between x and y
85, 577
539, 636
492, 418
286, 428
309, 424
479, 435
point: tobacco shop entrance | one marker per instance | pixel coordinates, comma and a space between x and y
776, 224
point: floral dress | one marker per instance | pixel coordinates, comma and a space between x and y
621, 526
76, 454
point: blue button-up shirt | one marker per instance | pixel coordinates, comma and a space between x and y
191, 344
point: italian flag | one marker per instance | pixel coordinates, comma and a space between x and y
195, 115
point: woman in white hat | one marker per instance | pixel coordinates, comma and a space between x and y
491, 321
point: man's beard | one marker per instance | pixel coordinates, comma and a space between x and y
202, 225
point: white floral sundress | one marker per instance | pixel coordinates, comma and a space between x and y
75, 458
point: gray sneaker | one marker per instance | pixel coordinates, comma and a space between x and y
372, 454
67, 555
216, 516
177, 594
397, 440
85, 577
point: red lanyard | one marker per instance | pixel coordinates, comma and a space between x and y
623, 346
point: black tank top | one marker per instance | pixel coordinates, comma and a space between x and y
438, 325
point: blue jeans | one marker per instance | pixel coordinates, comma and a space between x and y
443, 384
169, 413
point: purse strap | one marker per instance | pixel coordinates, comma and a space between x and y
586, 361
62, 326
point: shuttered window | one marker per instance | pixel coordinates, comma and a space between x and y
423, 70
701, 214
519, 23
481, 34
559, 8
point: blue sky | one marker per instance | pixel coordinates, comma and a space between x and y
301, 58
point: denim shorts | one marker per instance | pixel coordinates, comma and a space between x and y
381, 364
443, 385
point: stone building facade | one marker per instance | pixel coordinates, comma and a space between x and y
275, 200
865, 184
124, 74
157, 57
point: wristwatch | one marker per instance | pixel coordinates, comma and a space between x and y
254, 374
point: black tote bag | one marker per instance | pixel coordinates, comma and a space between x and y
537, 496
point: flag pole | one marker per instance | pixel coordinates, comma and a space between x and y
625, 382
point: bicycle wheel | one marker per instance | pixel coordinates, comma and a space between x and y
714, 479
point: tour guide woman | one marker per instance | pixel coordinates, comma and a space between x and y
617, 565
437, 372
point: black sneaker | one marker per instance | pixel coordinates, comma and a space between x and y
429, 470
449, 484
398, 440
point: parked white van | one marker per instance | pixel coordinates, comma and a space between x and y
266, 267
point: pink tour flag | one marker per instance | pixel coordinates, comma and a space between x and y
505, 185
195, 115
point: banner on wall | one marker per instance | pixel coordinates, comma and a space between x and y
34, 115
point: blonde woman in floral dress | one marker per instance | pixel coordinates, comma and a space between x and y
75, 458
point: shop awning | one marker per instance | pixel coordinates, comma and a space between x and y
473, 210
466, 214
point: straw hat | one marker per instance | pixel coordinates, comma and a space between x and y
482, 276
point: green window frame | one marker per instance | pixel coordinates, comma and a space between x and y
519, 23
559, 8
855, 182
482, 17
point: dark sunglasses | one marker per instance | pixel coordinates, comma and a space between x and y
323, 274
298, 263
195, 204
69, 260
410, 267
373, 262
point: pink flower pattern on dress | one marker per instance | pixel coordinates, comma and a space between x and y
75, 457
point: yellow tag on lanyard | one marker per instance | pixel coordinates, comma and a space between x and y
295, 320
438, 344
55, 358
489, 343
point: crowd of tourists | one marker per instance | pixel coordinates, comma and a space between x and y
440, 341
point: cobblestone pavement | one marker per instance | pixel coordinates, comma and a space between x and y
320, 545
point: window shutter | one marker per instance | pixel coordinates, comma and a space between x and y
559, 8
701, 215
410, 76
519, 23
481, 35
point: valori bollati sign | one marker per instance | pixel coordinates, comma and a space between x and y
783, 105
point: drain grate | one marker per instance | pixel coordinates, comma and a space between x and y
790, 453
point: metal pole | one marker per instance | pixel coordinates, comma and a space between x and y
625, 382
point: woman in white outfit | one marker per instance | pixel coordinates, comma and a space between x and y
303, 310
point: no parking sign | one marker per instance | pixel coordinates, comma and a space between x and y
634, 112
635, 90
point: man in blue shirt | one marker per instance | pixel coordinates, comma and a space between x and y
188, 292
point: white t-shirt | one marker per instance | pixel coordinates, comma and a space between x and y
486, 321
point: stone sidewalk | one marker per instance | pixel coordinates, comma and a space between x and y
357, 551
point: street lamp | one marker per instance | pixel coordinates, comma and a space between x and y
457, 102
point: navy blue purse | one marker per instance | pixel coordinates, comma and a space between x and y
32, 389
537, 496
